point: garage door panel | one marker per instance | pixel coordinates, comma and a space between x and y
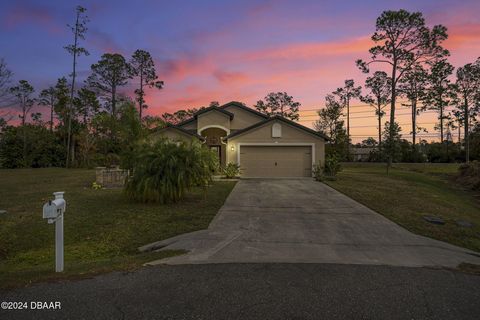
276, 161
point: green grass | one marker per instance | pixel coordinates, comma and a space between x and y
102, 229
411, 191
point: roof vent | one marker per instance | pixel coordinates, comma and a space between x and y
276, 130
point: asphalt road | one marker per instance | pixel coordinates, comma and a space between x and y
259, 291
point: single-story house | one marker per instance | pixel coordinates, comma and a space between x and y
361, 154
263, 146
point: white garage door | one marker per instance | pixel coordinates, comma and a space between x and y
276, 161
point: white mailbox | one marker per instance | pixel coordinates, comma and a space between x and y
53, 210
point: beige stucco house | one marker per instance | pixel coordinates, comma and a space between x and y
263, 146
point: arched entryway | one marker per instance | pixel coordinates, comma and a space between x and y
213, 139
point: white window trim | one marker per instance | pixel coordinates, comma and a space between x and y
199, 131
276, 144
278, 130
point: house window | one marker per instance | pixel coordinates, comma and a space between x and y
276, 130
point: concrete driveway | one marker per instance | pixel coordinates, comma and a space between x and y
304, 221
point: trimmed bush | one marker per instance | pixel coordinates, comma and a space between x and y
164, 171
231, 170
332, 165
330, 170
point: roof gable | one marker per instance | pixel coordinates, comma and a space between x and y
174, 127
243, 107
211, 109
279, 118
205, 110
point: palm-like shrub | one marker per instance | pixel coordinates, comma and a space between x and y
231, 170
164, 171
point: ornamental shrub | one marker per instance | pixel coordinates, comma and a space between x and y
332, 165
164, 171
231, 170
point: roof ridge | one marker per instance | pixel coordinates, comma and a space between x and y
278, 117
244, 107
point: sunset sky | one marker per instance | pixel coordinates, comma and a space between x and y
227, 50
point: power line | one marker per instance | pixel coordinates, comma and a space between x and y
372, 111
372, 116
400, 124
397, 106
427, 135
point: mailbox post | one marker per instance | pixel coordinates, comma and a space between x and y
53, 210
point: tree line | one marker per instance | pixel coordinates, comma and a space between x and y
417, 70
95, 121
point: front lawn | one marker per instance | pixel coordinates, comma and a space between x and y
102, 228
411, 191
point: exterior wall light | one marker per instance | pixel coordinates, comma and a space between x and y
232, 148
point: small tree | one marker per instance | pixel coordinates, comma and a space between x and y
279, 103
130, 132
331, 125
440, 92
392, 144
108, 74
468, 87
413, 86
143, 67
48, 98
23, 97
79, 30
62, 109
86, 104
346, 94
23, 94
379, 86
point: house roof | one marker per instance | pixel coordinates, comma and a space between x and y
280, 118
174, 127
222, 109
244, 107
213, 108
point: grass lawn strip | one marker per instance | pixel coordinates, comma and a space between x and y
102, 229
410, 192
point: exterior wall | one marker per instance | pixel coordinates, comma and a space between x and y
190, 126
242, 118
290, 135
172, 134
213, 118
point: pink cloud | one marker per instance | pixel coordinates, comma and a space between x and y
463, 43
307, 71
312, 50
227, 77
